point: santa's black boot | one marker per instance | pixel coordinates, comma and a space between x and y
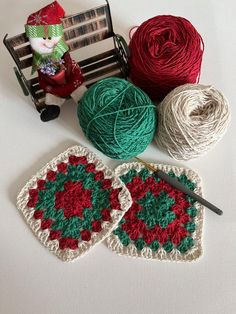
50, 112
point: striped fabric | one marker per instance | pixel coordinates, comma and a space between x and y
33, 31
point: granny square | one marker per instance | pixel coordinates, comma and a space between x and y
163, 223
73, 203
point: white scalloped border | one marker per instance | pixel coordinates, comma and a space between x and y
194, 253
68, 255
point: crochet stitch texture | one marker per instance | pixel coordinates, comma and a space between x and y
73, 203
163, 223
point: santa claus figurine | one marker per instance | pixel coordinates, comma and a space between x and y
59, 75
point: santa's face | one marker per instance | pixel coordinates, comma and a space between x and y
44, 45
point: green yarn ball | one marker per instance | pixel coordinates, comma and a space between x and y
118, 118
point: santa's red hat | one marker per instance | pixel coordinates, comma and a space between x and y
45, 22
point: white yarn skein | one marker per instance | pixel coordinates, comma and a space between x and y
191, 120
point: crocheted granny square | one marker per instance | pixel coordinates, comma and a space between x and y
73, 203
163, 223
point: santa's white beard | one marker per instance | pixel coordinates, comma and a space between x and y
44, 46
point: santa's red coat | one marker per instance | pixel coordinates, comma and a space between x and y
73, 78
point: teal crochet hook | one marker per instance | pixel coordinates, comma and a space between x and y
176, 184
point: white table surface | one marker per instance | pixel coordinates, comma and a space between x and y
32, 280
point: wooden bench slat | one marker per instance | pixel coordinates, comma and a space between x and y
25, 63
39, 95
35, 88
23, 51
73, 45
85, 29
100, 56
101, 72
33, 81
17, 40
99, 64
83, 17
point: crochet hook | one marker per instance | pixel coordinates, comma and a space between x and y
176, 184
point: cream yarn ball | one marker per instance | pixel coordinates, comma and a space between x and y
192, 119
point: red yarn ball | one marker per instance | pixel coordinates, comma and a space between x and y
165, 52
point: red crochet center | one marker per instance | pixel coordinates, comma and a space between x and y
133, 226
73, 206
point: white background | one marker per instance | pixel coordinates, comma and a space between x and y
32, 280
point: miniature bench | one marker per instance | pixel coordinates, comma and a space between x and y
80, 30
